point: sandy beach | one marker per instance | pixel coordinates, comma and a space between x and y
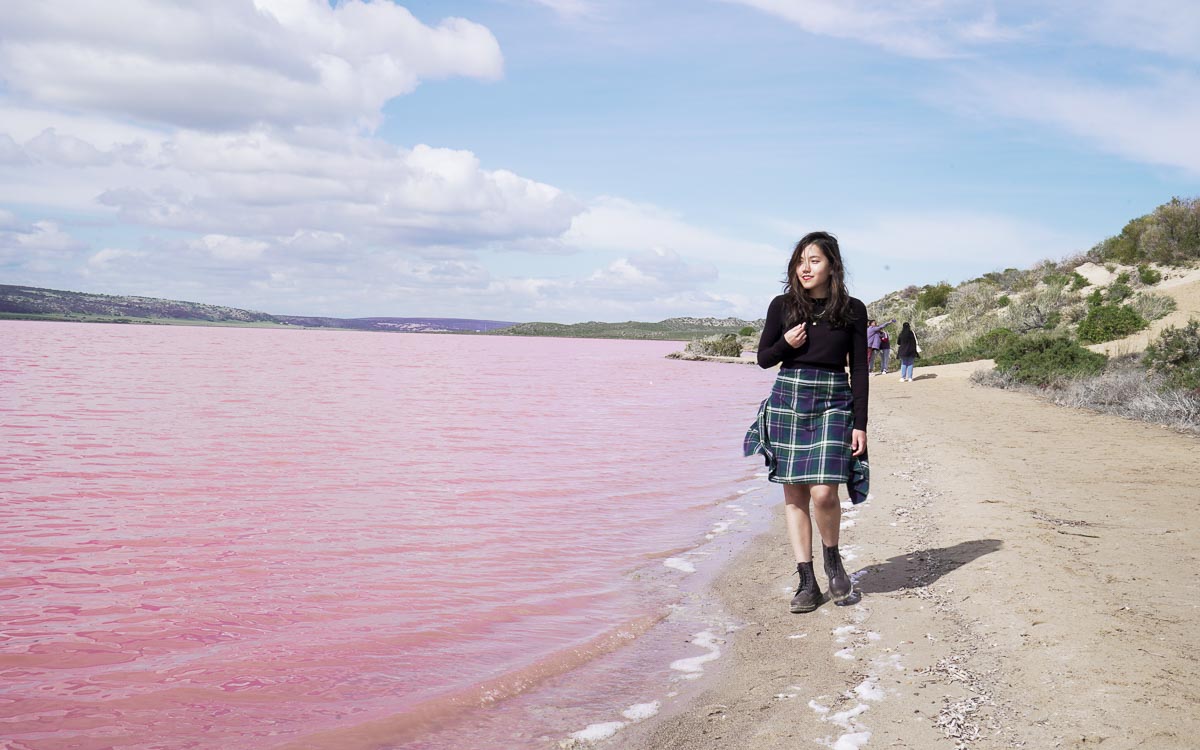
1029, 580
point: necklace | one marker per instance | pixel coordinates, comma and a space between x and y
817, 318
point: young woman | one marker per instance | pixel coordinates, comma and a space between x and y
812, 430
908, 351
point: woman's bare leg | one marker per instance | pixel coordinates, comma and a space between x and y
828, 511
799, 524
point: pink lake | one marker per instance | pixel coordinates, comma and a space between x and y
261, 538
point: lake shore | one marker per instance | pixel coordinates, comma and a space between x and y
1028, 579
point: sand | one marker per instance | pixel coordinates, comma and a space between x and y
1029, 579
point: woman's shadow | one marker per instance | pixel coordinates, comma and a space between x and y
921, 568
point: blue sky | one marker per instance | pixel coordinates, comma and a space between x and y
574, 160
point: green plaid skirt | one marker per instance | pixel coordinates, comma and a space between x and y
804, 428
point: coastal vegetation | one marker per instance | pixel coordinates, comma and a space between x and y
34, 303
671, 329
1037, 323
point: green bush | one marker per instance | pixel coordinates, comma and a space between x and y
934, 296
1003, 301
1148, 275
984, 346
1056, 279
1175, 354
1042, 360
1108, 322
1078, 281
1096, 298
988, 345
747, 331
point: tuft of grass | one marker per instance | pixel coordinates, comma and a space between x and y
1153, 306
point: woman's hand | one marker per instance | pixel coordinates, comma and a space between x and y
858, 443
796, 336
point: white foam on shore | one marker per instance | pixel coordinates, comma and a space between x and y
818, 707
844, 632
847, 523
851, 741
845, 718
873, 636
597, 732
693, 666
849, 552
798, 635
679, 564
846, 653
867, 690
641, 711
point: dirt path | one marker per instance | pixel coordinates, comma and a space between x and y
1030, 580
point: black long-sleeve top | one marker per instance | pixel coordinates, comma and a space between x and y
907, 344
827, 348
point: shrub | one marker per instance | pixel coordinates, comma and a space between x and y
1118, 291
990, 344
1153, 306
726, 345
1096, 298
747, 331
1148, 275
1078, 281
1042, 360
1004, 301
934, 296
1056, 279
1175, 355
1108, 322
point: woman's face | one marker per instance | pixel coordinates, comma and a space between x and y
813, 271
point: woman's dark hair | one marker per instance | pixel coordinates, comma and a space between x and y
906, 327
797, 305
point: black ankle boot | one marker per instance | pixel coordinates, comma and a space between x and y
839, 582
808, 594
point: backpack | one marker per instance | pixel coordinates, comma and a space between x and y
884, 341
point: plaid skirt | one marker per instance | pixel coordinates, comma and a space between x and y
804, 428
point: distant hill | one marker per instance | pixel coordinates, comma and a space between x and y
33, 303
671, 329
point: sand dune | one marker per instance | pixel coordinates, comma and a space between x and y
1029, 579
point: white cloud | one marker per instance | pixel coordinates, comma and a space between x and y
106, 258
569, 8
1168, 27
224, 247
914, 28
230, 64
615, 224
1155, 122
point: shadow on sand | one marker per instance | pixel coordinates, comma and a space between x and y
926, 376
923, 567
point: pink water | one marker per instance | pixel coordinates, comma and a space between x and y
251, 538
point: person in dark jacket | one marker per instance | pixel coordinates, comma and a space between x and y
812, 430
908, 351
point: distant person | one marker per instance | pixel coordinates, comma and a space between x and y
908, 350
875, 339
812, 430
885, 348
